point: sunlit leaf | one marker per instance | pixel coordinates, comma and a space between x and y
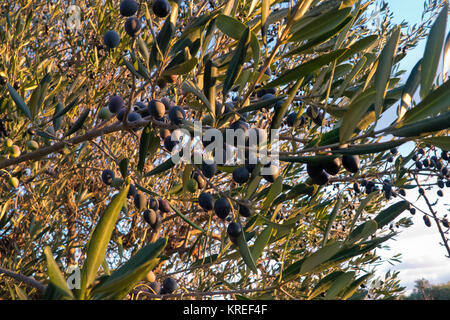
433, 49
383, 72
19, 102
99, 240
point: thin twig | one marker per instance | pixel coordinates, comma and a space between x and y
437, 220
27, 280
203, 294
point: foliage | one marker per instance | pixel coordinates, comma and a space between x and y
332, 64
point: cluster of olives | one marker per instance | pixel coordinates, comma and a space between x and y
169, 284
117, 106
12, 149
151, 214
151, 208
221, 206
370, 187
269, 94
387, 189
155, 108
320, 172
128, 8
222, 209
435, 164
241, 174
293, 120
315, 115
432, 162
195, 182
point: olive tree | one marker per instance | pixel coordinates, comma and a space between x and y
108, 108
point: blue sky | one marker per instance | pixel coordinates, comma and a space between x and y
422, 255
410, 11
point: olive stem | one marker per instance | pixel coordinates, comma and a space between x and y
436, 219
202, 294
27, 280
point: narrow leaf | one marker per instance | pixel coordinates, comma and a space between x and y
132, 68
311, 159
19, 102
78, 123
189, 87
144, 145
339, 284
324, 284
319, 257
252, 7
434, 124
245, 253
441, 142
236, 62
433, 49
389, 214
265, 10
446, 67
320, 25
134, 269
56, 277
367, 149
356, 110
331, 218
281, 111
61, 112
261, 104
409, 90
260, 243
100, 238
235, 29
359, 46
274, 191
306, 68
351, 289
182, 68
383, 72
363, 231
40, 93
166, 165
435, 102
186, 219
57, 121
